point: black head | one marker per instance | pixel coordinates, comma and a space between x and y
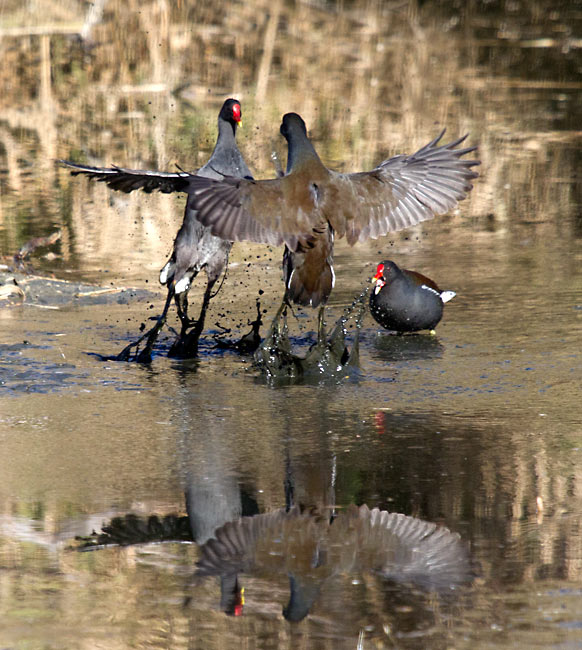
292, 124
386, 270
231, 112
303, 594
231, 595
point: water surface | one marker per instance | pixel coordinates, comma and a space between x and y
477, 428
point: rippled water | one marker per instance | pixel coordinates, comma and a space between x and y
477, 428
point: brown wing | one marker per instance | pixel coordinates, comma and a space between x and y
224, 205
419, 279
406, 549
242, 545
128, 180
400, 192
276, 211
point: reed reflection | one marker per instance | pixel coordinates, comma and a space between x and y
140, 96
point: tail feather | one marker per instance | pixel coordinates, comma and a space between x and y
309, 275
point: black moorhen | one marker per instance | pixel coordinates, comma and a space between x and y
406, 301
309, 549
311, 204
195, 247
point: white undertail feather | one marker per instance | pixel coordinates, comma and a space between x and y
164, 273
182, 285
447, 295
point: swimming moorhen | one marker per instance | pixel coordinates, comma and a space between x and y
310, 548
311, 204
406, 301
195, 247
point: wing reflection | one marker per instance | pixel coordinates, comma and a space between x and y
312, 549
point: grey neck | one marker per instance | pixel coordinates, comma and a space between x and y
226, 134
300, 150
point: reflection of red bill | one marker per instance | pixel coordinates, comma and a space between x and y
238, 608
379, 422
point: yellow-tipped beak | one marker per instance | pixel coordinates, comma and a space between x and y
239, 123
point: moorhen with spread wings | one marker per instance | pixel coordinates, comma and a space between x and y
195, 247
311, 204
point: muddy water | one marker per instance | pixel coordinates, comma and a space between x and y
478, 428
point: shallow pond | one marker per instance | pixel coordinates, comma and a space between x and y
478, 428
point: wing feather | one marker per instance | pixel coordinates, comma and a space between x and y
241, 209
400, 192
406, 189
128, 180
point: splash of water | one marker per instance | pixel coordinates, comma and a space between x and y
328, 358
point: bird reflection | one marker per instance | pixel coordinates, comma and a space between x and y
311, 549
392, 348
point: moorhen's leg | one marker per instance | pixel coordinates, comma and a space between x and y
145, 356
177, 348
181, 300
321, 325
151, 335
190, 343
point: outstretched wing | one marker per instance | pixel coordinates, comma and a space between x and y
410, 550
233, 548
128, 180
400, 192
226, 206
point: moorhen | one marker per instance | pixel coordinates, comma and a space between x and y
311, 204
195, 247
310, 549
406, 301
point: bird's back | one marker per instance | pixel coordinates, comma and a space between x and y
195, 247
225, 162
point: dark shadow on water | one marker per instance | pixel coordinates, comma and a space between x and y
187, 345
408, 347
20, 372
